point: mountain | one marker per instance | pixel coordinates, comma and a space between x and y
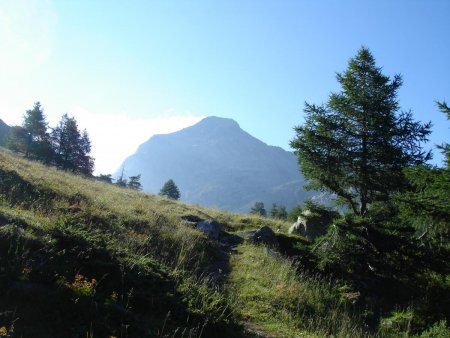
217, 164
4, 132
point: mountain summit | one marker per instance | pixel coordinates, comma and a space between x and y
217, 164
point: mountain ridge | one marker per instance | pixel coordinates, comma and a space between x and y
217, 164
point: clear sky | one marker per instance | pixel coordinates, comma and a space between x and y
129, 69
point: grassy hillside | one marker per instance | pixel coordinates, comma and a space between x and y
81, 258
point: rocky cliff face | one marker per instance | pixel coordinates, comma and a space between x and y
217, 164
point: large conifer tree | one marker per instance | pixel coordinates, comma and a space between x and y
71, 147
36, 139
357, 144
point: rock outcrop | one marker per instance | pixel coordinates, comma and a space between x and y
209, 227
264, 235
310, 225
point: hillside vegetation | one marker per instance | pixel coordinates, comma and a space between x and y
82, 258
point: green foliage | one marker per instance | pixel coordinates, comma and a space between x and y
272, 296
170, 190
294, 213
445, 147
72, 147
18, 140
66, 147
426, 205
79, 256
32, 139
438, 330
278, 211
122, 181
320, 210
105, 178
134, 182
357, 145
35, 123
258, 209
397, 324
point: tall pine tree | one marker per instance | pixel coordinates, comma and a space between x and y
357, 145
36, 139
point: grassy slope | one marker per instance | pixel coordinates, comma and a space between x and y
83, 258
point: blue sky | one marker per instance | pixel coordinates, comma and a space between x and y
130, 69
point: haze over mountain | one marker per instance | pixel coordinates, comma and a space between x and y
217, 164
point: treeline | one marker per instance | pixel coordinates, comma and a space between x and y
132, 182
64, 146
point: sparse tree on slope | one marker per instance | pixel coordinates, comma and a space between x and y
278, 211
273, 211
121, 181
105, 178
134, 182
357, 145
170, 190
259, 209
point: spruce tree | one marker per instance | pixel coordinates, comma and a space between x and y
71, 147
37, 139
35, 123
357, 144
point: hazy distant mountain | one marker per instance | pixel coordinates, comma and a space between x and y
4, 132
217, 164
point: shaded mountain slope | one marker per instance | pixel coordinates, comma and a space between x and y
4, 132
217, 164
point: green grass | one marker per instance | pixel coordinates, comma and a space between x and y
82, 258
282, 302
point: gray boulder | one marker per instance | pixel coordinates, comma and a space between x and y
310, 225
209, 227
264, 235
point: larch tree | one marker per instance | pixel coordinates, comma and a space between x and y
357, 144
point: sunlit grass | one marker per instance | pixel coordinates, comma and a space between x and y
105, 252
273, 296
